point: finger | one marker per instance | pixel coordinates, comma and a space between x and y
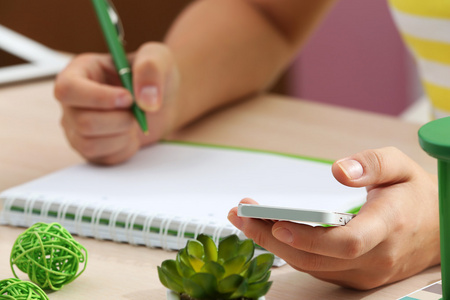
118, 157
92, 123
361, 279
86, 82
363, 233
84, 93
232, 215
374, 167
151, 65
99, 147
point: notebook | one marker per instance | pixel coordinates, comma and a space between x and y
170, 192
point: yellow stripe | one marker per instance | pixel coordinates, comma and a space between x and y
426, 8
439, 96
430, 50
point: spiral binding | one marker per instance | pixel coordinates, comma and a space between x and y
95, 222
200, 228
163, 231
45, 210
28, 209
6, 212
36, 207
146, 230
79, 213
181, 232
62, 211
112, 224
129, 227
217, 234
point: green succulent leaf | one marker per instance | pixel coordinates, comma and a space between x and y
247, 248
250, 269
265, 278
195, 248
185, 271
183, 265
228, 247
209, 247
170, 267
257, 290
183, 258
168, 282
213, 268
193, 289
233, 286
163, 277
259, 267
234, 265
196, 263
240, 291
189, 261
201, 285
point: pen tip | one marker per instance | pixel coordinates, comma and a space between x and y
146, 132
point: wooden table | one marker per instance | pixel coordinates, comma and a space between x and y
32, 144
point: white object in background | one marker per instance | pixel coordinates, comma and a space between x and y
39, 61
419, 112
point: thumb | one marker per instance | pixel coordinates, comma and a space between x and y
374, 167
152, 63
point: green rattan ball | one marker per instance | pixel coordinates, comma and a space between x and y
16, 289
49, 255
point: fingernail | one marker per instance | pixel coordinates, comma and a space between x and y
283, 235
123, 101
235, 220
148, 98
352, 168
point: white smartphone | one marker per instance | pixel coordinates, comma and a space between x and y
293, 214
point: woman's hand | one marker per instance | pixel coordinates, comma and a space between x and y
394, 236
96, 107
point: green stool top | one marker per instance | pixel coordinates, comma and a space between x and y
434, 138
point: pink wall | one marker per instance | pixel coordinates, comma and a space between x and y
357, 59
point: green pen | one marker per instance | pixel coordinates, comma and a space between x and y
109, 21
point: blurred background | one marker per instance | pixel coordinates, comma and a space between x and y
355, 59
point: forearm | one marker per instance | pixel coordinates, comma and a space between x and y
228, 49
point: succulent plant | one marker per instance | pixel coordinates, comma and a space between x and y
203, 271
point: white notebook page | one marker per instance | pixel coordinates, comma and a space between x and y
198, 181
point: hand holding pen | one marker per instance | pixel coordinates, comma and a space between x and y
97, 116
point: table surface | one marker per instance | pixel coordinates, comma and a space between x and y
32, 144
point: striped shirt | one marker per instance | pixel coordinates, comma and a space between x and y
425, 28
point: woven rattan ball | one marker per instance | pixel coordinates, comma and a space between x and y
49, 255
16, 289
